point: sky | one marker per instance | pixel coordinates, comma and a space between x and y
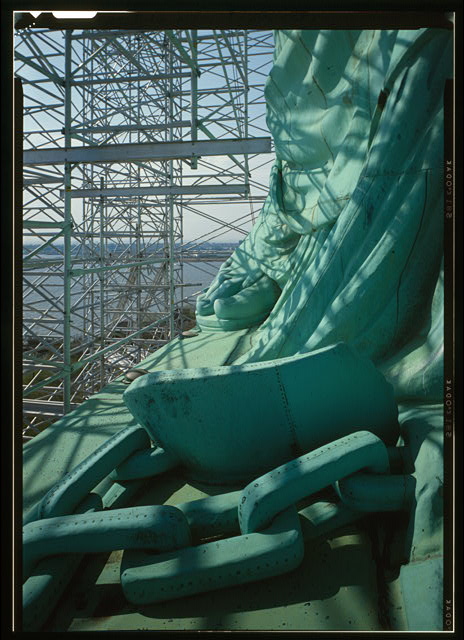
46, 51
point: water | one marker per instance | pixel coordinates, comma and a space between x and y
201, 272
198, 275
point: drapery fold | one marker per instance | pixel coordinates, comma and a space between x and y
352, 227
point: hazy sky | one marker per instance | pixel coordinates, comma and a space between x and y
46, 100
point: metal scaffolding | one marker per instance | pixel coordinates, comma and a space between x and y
129, 138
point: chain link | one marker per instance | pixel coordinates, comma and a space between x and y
65, 496
274, 491
258, 529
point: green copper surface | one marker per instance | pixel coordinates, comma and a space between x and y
351, 231
232, 423
328, 314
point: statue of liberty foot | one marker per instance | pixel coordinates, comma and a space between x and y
237, 298
228, 424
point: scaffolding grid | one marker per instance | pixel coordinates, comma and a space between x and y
141, 150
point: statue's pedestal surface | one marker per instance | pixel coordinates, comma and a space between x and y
336, 586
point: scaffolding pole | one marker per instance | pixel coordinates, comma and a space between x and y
132, 140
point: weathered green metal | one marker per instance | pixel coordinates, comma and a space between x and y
219, 515
158, 528
263, 498
243, 558
144, 464
234, 560
213, 565
348, 248
212, 516
65, 496
322, 518
42, 588
49, 577
235, 308
373, 492
232, 423
70, 441
252, 556
351, 230
352, 233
